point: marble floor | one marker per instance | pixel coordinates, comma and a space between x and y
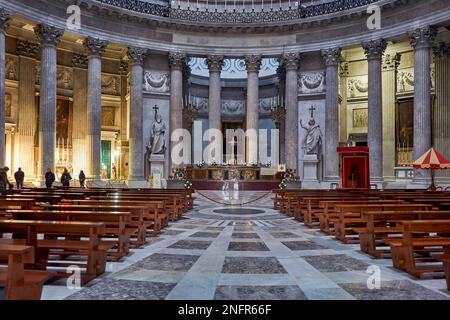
248, 254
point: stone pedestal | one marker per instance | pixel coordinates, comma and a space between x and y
157, 170
310, 171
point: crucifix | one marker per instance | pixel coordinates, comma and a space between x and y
156, 108
312, 111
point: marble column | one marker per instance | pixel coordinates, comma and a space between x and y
441, 116
390, 62
176, 61
26, 122
343, 75
332, 59
374, 50
136, 56
291, 63
253, 64
215, 64
124, 111
4, 18
281, 73
422, 40
80, 64
96, 48
49, 37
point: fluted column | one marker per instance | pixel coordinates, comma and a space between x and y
390, 63
95, 48
79, 63
422, 40
124, 125
441, 116
49, 37
215, 64
136, 56
332, 58
4, 18
253, 64
281, 72
374, 50
176, 61
26, 122
290, 63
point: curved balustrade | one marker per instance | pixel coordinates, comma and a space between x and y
236, 15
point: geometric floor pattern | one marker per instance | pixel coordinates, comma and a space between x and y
209, 255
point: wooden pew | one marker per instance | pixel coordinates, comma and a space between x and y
90, 251
116, 230
18, 283
419, 241
445, 258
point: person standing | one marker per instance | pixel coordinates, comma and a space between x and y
82, 178
65, 178
19, 175
49, 178
3, 179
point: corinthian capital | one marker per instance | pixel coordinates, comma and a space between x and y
374, 49
422, 37
79, 61
48, 35
137, 55
252, 63
4, 19
27, 48
214, 63
441, 50
177, 60
390, 61
291, 60
94, 46
332, 56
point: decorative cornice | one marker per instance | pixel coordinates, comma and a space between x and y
291, 60
252, 63
423, 37
95, 46
79, 61
332, 56
374, 49
4, 19
27, 48
343, 69
123, 68
390, 61
48, 35
177, 60
137, 55
441, 50
214, 63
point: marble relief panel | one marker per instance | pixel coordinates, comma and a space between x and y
155, 81
311, 82
405, 79
12, 69
64, 78
111, 84
357, 87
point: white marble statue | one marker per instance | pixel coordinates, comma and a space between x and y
157, 143
313, 137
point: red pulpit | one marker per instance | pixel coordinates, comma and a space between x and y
355, 167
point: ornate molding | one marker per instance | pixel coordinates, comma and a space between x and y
215, 63
48, 35
343, 69
64, 78
357, 87
291, 60
374, 49
27, 48
177, 60
137, 55
123, 68
312, 82
156, 82
390, 61
79, 61
252, 63
111, 84
4, 19
12, 67
94, 46
441, 50
332, 56
423, 37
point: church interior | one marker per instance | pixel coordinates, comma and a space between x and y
224, 150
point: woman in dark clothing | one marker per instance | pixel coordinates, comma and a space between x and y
65, 178
49, 178
82, 178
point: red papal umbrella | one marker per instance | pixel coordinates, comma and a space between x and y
431, 160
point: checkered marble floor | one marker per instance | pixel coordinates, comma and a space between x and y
251, 253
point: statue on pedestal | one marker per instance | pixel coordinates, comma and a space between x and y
156, 144
313, 135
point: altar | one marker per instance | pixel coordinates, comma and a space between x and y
228, 172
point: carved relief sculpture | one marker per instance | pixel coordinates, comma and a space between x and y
156, 82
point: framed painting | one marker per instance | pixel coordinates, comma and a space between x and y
360, 118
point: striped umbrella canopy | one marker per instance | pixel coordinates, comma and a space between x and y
431, 160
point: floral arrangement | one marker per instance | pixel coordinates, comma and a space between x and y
213, 163
254, 164
188, 185
282, 185
201, 164
268, 164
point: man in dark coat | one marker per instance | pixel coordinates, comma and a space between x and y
65, 178
82, 178
19, 175
49, 178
